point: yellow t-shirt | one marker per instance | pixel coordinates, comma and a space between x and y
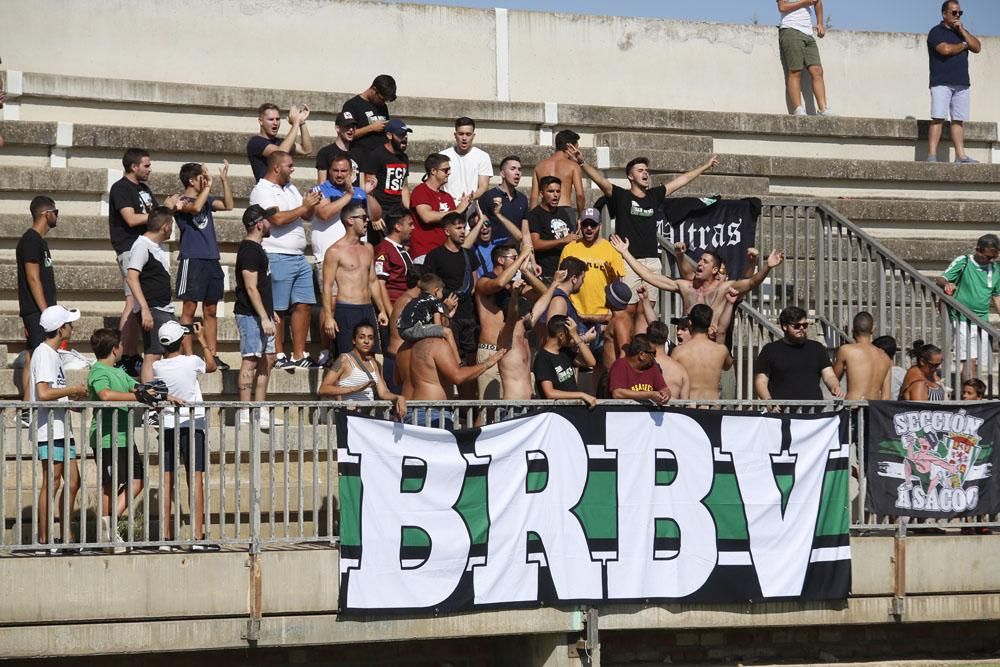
591, 300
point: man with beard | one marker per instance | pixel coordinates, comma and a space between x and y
346, 126
636, 376
707, 285
36, 279
639, 218
390, 166
791, 368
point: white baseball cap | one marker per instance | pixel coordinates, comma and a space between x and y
171, 332
54, 317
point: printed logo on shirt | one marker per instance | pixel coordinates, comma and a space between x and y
559, 228
564, 374
47, 262
395, 178
380, 265
145, 201
641, 386
641, 212
200, 220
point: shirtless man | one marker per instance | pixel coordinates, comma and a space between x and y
723, 308
515, 367
706, 286
427, 367
868, 369
566, 169
702, 358
349, 264
493, 294
676, 375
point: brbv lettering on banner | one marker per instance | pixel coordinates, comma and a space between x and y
728, 227
571, 506
932, 461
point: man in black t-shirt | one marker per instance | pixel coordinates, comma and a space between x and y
638, 216
552, 227
371, 113
254, 308
949, 44
36, 279
456, 265
266, 142
130, 203
391, 167
343, 147
556, 363
791, 368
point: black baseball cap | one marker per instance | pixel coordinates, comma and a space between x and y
255, 213
345, 118
682, 322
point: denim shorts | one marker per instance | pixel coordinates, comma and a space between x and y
951, 101
291, 280
253, 342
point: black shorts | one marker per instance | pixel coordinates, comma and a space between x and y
151, 339
350, 315
169, 440
466, 332
200, 280
33, 331
118, 459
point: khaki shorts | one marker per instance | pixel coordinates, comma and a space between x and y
798, 50
633, 280
490, 387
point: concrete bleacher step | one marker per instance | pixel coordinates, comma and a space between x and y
640, 141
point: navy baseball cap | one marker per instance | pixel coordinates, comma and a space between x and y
397, 127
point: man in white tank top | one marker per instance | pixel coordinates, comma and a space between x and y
799, 51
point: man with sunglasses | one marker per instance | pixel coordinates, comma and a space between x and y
791, 368
350, 263
36, 279
430, 204
948, 47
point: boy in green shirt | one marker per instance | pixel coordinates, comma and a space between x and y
105, 382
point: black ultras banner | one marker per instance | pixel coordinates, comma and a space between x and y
573, 505
728, 227
932, 461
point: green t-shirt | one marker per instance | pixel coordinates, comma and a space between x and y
976, 284
101, 377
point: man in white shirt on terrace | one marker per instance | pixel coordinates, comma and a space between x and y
291, 274
471, 167
799, 51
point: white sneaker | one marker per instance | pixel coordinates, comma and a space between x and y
799, 111
266, 421
827, 112
111, 529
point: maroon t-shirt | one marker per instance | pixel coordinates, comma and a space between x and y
391, 265
426, 237
623, 376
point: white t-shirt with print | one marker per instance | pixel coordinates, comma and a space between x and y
46, 366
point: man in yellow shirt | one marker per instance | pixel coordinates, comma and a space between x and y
604, 266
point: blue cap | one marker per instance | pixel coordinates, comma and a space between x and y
397, 127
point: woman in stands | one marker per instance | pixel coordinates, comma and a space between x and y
921, 380
357, 375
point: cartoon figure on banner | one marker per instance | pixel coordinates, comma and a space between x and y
942, 452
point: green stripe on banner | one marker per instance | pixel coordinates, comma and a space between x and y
727, 508
350, 510
834, 517
667, 528
598, 508
473, 508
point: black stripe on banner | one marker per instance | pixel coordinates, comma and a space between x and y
602, 465
827, 541
829, 580
733, 545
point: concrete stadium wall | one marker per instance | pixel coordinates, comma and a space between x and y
473, 54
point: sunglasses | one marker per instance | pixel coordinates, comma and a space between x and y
956, 12
590, 225
799, 325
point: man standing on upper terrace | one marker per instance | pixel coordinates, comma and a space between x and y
371, 113
799, 51
948, 47
260, 146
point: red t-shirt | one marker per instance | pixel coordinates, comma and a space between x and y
391, 265
623, 376
427, 237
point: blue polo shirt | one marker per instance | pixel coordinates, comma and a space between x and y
513, 208
947, 70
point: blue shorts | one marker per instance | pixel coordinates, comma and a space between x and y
58, 450
434, 418
200, 280
291, 281
253, 341
182, 436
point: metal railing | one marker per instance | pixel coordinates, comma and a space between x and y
835, 270
274, 488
